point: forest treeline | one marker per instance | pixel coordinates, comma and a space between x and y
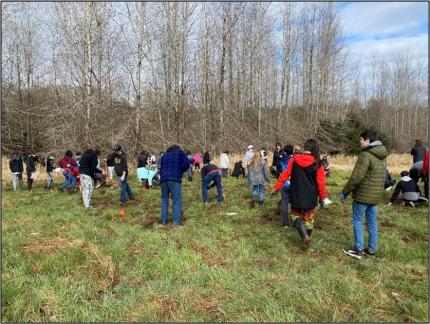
208, 76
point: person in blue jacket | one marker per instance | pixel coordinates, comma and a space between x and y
173, 164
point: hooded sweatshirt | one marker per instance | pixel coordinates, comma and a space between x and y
307, 182
409, 189
367, 179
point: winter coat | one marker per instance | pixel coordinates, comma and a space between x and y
409, 189
67, 160
49, 165
110, 161
197, 158
15, 164
224, 162
418, 153
88, 163
173, 164
277, 158
307, 182
367, 180
121, 164
259, 174
208, 169
30, 164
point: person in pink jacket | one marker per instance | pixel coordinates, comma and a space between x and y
197, 159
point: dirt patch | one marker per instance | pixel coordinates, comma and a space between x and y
149, 220
167, 228
387, 223
267, 217
408, 238
50, 304
166, 306
208, 306
51, 246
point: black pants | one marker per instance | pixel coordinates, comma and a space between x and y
285, 199
29, 182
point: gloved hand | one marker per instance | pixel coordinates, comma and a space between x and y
389, 204
273, 193
342, 198
122, 177
326, 202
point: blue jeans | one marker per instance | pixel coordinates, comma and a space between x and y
206, 184
69, 180
258, 190
175, 188
125, 190
285, 194
371, 212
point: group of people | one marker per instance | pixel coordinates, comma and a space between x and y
300, 177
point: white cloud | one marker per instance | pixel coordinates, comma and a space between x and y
379, 19
415, 46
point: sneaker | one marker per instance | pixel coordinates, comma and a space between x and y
358, 254
412, 204
367, 252
162, 222
131, 198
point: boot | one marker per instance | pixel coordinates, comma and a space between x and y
298, 223
260, 203
252, 204
30, 192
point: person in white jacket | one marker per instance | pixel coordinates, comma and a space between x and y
224, 163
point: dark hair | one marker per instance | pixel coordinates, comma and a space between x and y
97, 151
418, 142
312, 146
173, 147
78, 153
187, 152
206, 158
369, 134
69, 153
278, 144
288, 149
404, 173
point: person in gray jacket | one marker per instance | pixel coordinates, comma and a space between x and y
260, 177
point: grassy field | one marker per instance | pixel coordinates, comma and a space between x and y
62, 263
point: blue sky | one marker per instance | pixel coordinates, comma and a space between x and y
385, 28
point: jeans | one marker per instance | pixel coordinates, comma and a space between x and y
206, 184
285, 194
258, 191
371, 212
125, 190
69, 180
175, 188
224, 173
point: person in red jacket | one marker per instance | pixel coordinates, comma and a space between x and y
307, 180
426, 173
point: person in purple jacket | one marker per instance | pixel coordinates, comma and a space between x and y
173, 164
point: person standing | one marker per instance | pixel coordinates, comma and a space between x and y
110, 161
121, 171
307, 183
49, 170
276, 163
224, 163
87, 172
247, 158
173, 164
31, 171
190, 169
260, 178
367, 187
16, 168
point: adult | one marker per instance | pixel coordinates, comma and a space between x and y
211, 178
173, 164
110, 162
87, 172
121, 171
276, 163
190, 169
418, 153
367, 187
142, 172
16, 168
31, 161
224, 163
248, 158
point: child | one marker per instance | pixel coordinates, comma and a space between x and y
49, 170
287, 155
31, 161
110, 164
259, 178
238, 170
16, 168
121, 170
224, 163
197, 158
307, 180
411, 194
142, 172
211, 178
68, 164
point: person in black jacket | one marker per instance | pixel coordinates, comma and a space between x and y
142, 172
31, 161
49, 169
16, 168
411, 194
211, 177
110, 161
276, 163
121, 170
87, 171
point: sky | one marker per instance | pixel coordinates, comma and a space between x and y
385, 28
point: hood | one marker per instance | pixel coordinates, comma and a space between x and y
405, 178
304, 160
377, 149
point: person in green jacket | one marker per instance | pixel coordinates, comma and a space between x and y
367, 187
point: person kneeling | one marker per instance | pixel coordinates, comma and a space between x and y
411, 194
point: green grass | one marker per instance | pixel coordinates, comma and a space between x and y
62, 263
